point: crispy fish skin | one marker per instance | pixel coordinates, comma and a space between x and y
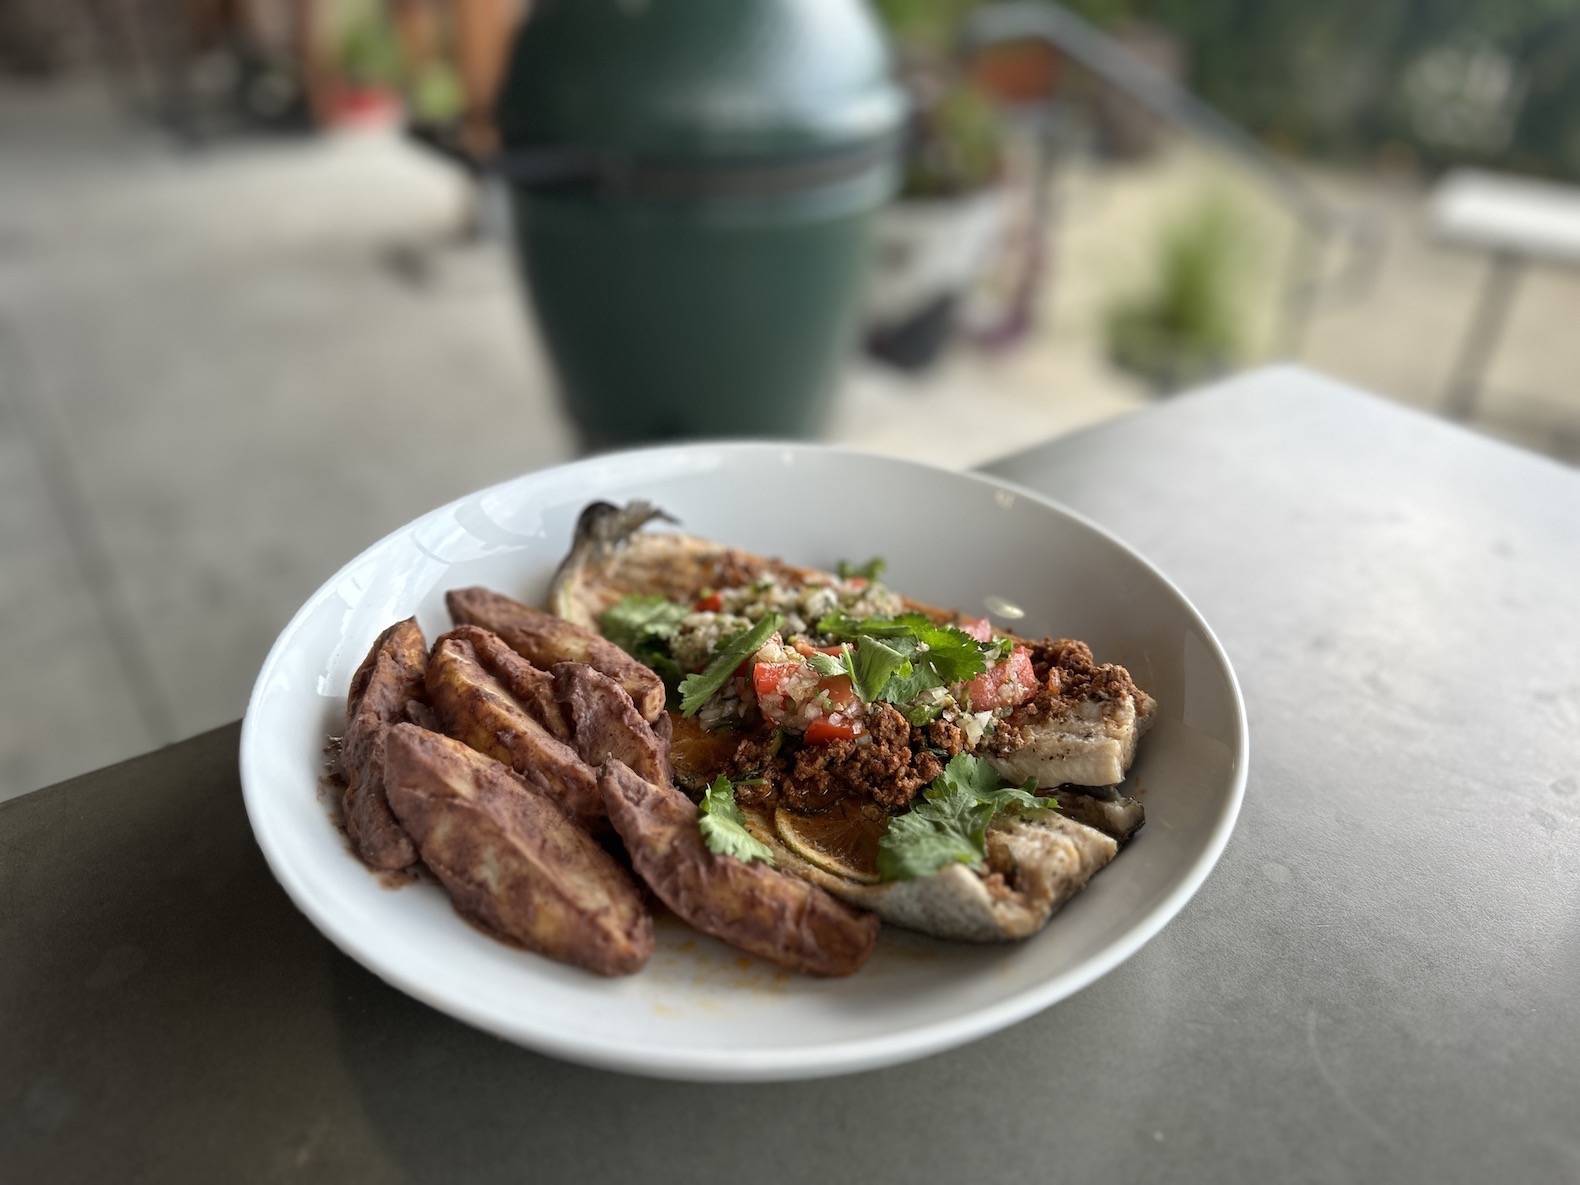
664, 563
1033, 867
1110, 812
607, 723
385, 687
531, 688
475, 708
757, 908
601, 530
511, 860
543, 640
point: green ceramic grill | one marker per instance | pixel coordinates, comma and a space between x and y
692, 185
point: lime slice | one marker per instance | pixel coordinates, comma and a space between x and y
842, 840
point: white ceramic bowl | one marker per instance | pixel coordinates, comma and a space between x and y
701, 1010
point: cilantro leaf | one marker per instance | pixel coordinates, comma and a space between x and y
636, 618
966, 775
904, 686
723, 826
840, 624
871, 570
954, 654
1023, 797
826, 664
914, 846
643, 626
695, 690
931, 655
948, 824
872, 663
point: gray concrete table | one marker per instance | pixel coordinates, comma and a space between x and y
1380, 981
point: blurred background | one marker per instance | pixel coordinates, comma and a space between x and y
276, 276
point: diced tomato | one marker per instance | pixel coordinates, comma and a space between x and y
979, 628
833, 694
856, 582
804, 647
1022, 677
831, 728
1005, 684
841, 692
767, 679
767, 676
711, 603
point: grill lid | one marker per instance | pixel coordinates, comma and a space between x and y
608, 89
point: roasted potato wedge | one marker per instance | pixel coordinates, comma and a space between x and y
750, 905
510, 860
383, 690
474, 708
543, 640
531, 688
607, 723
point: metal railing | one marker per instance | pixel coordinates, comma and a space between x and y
1309, 285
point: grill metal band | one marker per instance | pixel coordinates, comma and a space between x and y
580, 170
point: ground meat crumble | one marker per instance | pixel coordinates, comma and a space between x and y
893, 760
940, 734
887, 765
1066, 672
880, 766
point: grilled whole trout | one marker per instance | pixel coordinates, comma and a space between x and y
1072, 725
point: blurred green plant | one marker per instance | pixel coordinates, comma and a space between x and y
956, 145
923, 26
955, 141
435, 94
930, 25
367, 51
1333, 79
1184, 326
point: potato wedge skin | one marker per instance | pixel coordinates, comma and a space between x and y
753, 906
510, 859
543, 640
531, 688
386, 684
475, 709
607, 724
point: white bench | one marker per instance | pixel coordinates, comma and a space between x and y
1516, 220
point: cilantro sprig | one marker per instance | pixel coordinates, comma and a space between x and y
895, 659
872, 665
696, 690
870, 571
644, 626
724, 827
948, 824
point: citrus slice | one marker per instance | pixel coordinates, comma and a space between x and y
842, 840
697, 754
